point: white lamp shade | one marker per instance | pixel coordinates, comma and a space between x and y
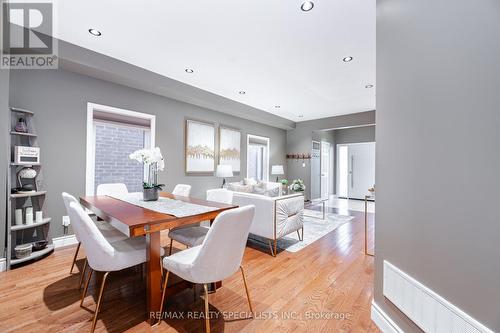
277, 170
224, 170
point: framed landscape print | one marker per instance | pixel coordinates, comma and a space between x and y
200, 147
230, 147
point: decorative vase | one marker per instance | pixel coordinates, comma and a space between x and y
21, 126
150, 194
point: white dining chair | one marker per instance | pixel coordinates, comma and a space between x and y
103, 255
111, 189
108, 231
193, 235
217, 258
182, 190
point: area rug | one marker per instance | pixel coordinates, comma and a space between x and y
314, 229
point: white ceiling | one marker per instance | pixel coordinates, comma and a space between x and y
276, 53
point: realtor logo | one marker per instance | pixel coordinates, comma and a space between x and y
27, 41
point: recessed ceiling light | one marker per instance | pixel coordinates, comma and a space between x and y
95, 32
301, 116
347, 59
307, 6
277, 106
189, 70
241, 92
368, 86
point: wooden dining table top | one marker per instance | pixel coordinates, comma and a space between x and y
136, 221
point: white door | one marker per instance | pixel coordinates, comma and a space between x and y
361, 169
316, 170
325, 170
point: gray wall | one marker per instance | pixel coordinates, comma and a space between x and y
4, 151
60, 98
355, 135
438, 161
299, 140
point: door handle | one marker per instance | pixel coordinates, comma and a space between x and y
352, 173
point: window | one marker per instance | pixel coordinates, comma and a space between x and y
257, 157
112, 134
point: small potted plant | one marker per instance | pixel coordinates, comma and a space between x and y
153, 162
298, 186
284, 186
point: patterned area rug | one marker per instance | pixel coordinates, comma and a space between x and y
314, 229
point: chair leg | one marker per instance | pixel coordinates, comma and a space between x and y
94, 321
83, 273
86, 286
170, 247
74, 258
271, 248
163, 296
298, 235
207, 319
275, 247
246, 289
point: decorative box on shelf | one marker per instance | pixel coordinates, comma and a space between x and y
26, 155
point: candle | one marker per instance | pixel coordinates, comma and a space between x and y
29, 215
39, 216
19, 216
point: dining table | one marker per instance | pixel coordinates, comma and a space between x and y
136, 221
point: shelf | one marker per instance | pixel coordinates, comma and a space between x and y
24, 165
34, 255
22, 134
26, 195
27, 226
22, 111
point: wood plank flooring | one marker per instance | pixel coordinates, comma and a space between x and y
326, 287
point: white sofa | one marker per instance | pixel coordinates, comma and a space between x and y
275, 217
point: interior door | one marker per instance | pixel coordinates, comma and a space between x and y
316, 170
361, 169
325, 170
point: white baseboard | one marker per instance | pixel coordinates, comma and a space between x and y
383, 321
3, 264
64, 241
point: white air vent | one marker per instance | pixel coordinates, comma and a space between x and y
428, 310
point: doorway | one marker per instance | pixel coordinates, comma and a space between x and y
355, 169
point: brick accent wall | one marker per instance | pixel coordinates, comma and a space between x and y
113, 145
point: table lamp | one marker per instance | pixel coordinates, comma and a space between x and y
223, 171
277, 170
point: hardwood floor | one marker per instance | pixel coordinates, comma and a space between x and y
326, 287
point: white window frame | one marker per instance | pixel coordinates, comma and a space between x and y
266, 165
90, 160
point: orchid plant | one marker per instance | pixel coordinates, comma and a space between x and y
154, 162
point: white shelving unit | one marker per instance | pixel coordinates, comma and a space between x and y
24, 233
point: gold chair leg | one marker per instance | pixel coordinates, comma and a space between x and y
271, 248
207, 319
246, 289
86, 286
163, 296
170, 247
94, 321
74, 258
83, 273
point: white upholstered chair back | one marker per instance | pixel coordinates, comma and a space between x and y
68, 199
111, 189
222, 250
220, 195
182, 190
98, 249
